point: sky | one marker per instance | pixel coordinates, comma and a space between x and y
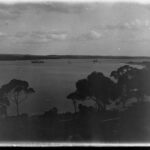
18, 1
65, 28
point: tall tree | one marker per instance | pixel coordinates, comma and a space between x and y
132, 82
4, 103
74, 97
17, 91
96, 87
100, 89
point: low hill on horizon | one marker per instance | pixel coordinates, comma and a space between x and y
6, 57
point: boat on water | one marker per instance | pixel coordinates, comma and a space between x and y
37, 61
95, 61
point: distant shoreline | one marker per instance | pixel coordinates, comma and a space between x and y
15, 57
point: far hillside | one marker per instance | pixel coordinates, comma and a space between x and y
15, 57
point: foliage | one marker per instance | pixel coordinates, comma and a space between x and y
96, 87
16, 91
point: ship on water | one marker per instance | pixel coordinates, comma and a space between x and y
37, 61
95, 61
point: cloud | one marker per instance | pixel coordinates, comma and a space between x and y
94, 35
135, 24
90, 35
61, 7
20, 34
3, 35
18, 9
140, 24
54, 36
10, 12
113, 26
48, 36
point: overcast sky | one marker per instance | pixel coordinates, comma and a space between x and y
75, 28
19, 1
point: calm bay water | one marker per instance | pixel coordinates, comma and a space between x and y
52, 80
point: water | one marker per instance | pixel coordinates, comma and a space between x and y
52, 81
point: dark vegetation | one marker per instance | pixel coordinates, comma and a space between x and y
87, 123
15, 57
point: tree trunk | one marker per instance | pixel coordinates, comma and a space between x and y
17, 105
104, 107
75, 106
100, 107
3, 111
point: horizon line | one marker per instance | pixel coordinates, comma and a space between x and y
75, 55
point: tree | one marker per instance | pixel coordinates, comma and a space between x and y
17, 91
82, 92
4, 103
141, 83
132, 82
101, 88
123, 76
74, 97
96, 87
